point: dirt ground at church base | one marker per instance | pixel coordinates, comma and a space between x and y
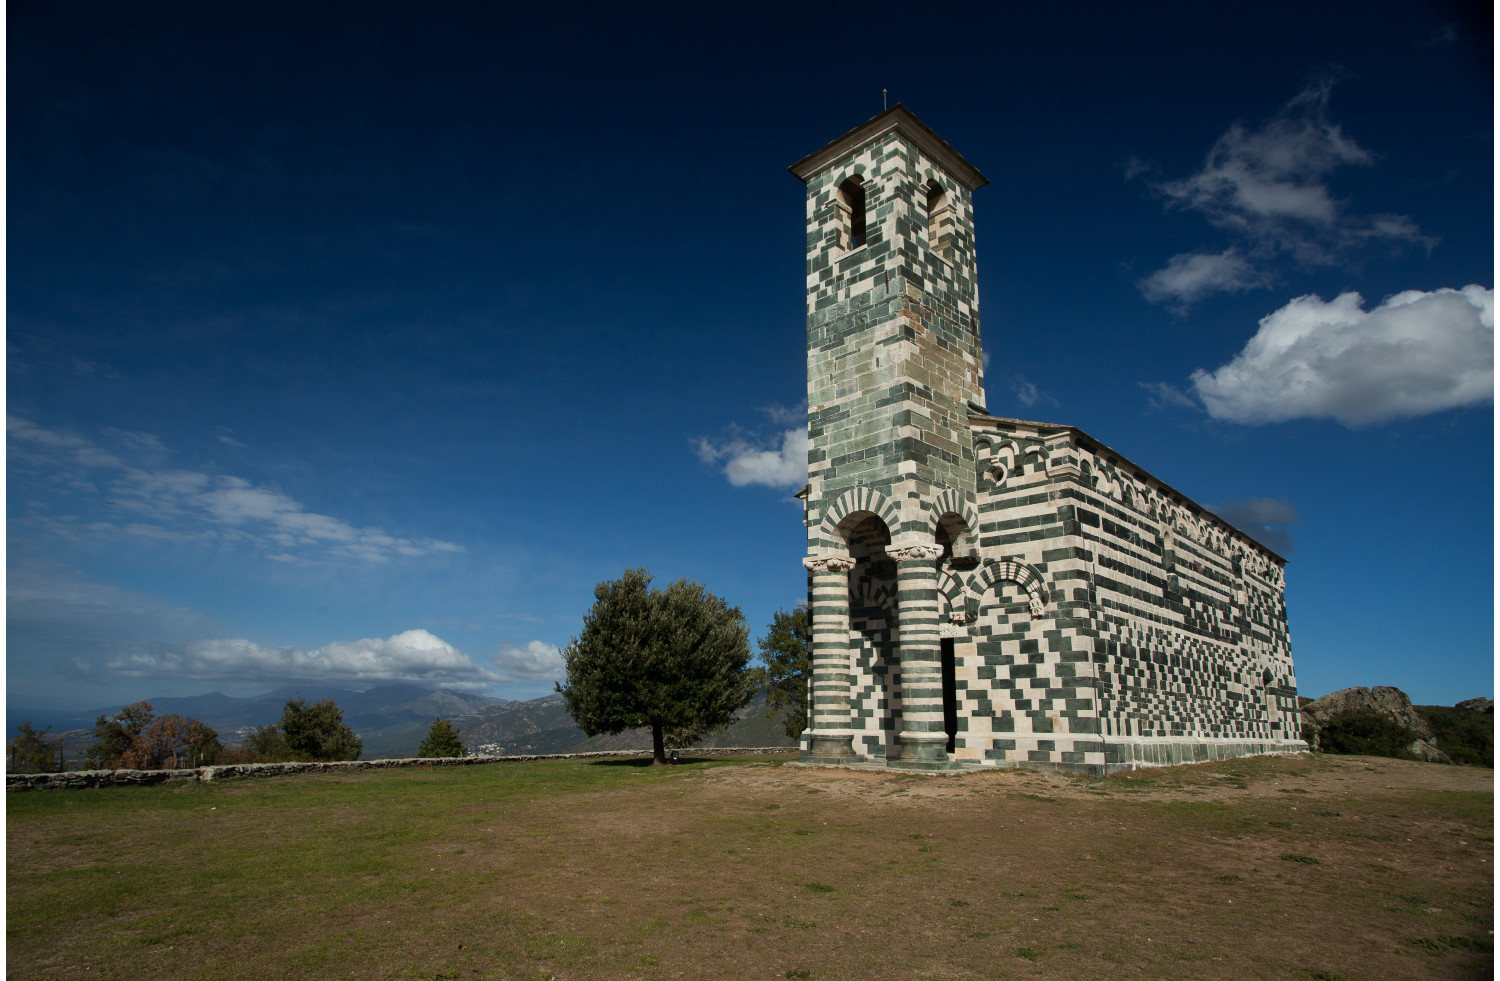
1290, 867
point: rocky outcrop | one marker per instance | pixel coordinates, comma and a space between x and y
1390, 702
1485, 705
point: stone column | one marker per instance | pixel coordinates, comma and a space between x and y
923, 741
831, 737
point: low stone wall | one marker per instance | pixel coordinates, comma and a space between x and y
83, 779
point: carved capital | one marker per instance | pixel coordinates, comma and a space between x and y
916, 553
830, 563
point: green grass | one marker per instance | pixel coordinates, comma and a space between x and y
603, 869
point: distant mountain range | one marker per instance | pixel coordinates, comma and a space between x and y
393, 719
543, 725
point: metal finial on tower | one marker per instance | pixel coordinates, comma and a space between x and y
884, 103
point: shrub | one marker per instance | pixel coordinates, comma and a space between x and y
1464, 735
1367, 732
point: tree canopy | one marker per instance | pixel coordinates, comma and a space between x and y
784, 649
442, 741
114, 737
317, 732
671, 659
136, 740
32, 752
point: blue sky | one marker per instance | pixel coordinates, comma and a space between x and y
354, 343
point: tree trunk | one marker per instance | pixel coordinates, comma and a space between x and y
658, 746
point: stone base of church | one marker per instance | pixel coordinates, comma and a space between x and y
947, 764
1087, 754
833, 747
1092, 754
1134, 752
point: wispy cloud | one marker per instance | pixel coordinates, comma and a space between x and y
1166, 396
1193, 275
1267, 186
1413, 354
776, 461
150, 502
1026, 392
783, 415
49, 599
414, 656
536, 661
1265, 519
1444, 36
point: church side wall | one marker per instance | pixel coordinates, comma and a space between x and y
1027, 693
1164, 639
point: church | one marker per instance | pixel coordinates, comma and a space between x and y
988, 591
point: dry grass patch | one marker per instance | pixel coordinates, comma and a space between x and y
742, 868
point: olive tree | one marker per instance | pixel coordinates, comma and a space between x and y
673, 660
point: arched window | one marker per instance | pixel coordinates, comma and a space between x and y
851, 195
939, 217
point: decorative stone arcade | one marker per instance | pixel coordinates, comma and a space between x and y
990, 591
893, 369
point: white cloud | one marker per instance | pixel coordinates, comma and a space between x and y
537, 661
766, 463
1193, 275
414, 656
193, 506
1268, 186
1263, 518
1413, 354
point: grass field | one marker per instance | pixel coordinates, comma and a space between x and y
1321, 867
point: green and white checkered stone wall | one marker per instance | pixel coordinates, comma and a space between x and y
892, 340
1162, 637
1098, 618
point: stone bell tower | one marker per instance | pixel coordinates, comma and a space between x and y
893, 373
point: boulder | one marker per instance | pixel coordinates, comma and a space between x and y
1391, 702
1485, 705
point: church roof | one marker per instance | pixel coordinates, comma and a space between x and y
900, 119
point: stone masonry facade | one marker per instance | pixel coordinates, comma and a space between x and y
989, 591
